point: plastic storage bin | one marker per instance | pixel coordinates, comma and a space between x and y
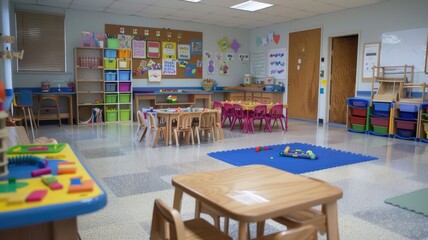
124, 63
358, 111
111, 98
111, 115
408, 125
110, 53
124, 53
124, 75
125, 98
408, 107
125, 114
111, 87
358, 120
380, 129
406, 133
380, 113
358, 127
355, 102
112, 43
425, 126
382, 122
380, 106
124, 87
110, 76
110, 63
408, 115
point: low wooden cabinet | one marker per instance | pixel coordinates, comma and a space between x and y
235, 96
268, 97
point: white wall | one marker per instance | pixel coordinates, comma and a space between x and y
369, 22
77, 21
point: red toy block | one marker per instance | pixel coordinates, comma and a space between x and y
36, 196
55, 186
40, 172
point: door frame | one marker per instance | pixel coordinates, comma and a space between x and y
329, 70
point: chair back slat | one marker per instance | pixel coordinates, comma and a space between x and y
164, 216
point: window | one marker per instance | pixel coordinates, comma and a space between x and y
41, 36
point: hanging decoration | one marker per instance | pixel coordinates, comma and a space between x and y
224, 44
235, 45
270, 37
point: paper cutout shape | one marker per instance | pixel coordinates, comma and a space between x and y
169, 50
276, 38
244, 57
208, 55
224, 68
182, 63
270, 36
264, 41
230, 56
155, 75
190, 70
258, 41
211, 67
235, 45
224, 44
219, 56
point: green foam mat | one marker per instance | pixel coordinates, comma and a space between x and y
413, 201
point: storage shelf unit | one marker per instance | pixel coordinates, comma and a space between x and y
380, 117
423, 123
357, 112
103, 81
405, 122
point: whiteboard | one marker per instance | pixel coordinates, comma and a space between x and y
407, 47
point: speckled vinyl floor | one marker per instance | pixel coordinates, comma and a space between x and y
134, 174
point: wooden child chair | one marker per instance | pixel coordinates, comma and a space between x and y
167, 221
206, 124
142, 127
184, 125
159, 129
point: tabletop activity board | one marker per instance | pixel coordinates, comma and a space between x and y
46, 182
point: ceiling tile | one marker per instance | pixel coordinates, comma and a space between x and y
24, 1
99, 3
146, 2
54, 3
159, 10
128, 6
121, 11
203, 8
172, 4
187, 14
87, 8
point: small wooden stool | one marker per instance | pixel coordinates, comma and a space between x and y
53, 101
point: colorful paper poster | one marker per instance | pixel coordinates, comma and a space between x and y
244, 57
224, 68
182, 63
139, 49
169, 50
125, 41
189, 70
230, 56
153, 49
155, 75
196, 47
211, 67
219, 56
169, 67
277, 63
183, 51
86, 39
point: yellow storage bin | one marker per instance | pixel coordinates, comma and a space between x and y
110, 63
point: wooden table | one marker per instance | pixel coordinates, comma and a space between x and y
256, 193
169, 115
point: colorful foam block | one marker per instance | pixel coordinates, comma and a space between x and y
66, 170
39, 172
75, 181
36, 196
87, 186
48, 180
16, 199
55, 186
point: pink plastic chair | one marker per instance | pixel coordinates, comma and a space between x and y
259, 113
239, 115
227, 113
275, 113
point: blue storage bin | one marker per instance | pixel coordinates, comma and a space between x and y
110, 76
125, 75
111, 87
380, 106
110, 53
380, 113
408, 115
408, 107
406, 133
357, 102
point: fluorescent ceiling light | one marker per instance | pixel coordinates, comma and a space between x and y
194, 1
251, 6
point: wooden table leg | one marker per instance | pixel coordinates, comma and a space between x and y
332, 221
243, 231
178, 197
70, 109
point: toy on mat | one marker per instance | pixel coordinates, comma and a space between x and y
298, 153
260, 148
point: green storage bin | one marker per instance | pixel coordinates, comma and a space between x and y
125, 98
111, 98
111, 115
110, 63
125, 114
112, 43
380, 129
358, 127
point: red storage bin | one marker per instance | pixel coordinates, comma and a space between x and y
359, 111
358, 120
408, 125
382, 122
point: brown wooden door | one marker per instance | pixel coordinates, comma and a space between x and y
343, 75
303, 70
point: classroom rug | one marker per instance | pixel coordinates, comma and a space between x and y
327, 157
414, 201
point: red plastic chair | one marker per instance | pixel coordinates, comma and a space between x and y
275, 113
259, 113
227, 112
239, 115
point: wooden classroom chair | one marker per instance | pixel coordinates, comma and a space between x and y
141, 128
206, 124
159, 129
168, 224
184, 125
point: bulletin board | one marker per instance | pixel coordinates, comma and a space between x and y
192, 62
